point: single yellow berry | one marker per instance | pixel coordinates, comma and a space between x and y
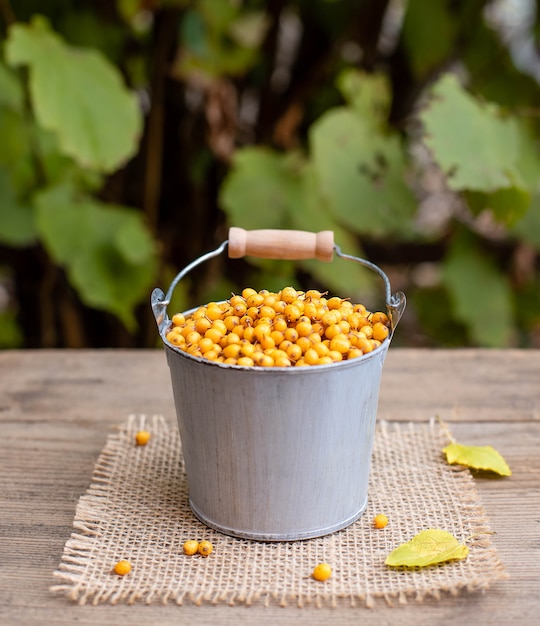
142, 437
122, 568
205, 548
380, 521
191, 547
323, 571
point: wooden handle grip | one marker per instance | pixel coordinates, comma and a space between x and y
291, 245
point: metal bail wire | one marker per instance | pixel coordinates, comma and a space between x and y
395, 303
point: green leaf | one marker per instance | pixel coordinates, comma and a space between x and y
11, 91
267, 189
474, 144
308, 212
106, 250
507, 205
11, 336
16, 151
477, 457
428, 547
216, 42
362, 173
480, 294
256, 193
428, 33
77, 94
528, 227
17, 226
370, 94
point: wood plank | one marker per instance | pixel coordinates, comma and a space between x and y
459, 385
57, 408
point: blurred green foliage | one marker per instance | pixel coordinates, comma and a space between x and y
135, 132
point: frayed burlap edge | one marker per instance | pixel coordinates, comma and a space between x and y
137, 508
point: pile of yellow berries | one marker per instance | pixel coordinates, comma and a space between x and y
289, 328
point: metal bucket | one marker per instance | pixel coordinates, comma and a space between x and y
281, 453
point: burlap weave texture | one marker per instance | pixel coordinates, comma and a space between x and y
137, 508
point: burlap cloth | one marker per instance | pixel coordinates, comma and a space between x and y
136, 508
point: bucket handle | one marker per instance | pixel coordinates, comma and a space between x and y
289, 245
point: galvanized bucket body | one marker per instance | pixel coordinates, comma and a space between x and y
281, 453
277, 454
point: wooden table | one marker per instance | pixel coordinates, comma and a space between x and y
58, 407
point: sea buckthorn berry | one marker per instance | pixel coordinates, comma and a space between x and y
294, 352
374, 318
231, 351
262, 330
219, 325
380, 331
340, 343
270, 299
380, 521
304, 328
289, 294
248, 291
253, 312
265, 360
354, 353
178, 319
200, 312
311, 357
214, 312
142, 437
310, 310
193, 337
245, 361
202, 324
292, 313
282, 361
205, 548
176, 339
214, 334
321, 348
291, 334
231, 338
279, 329
304, 343
191, 547
235, 299
239, 308
205, 344
267, 311
278, 336
334, 303
332, 330
367, 330
255, 300
122, 568
231, 322
323, 571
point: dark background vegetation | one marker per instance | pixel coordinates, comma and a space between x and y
239, 103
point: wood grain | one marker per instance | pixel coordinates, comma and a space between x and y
57, 408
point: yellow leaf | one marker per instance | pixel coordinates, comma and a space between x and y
427, 548
477, 457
